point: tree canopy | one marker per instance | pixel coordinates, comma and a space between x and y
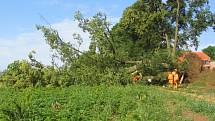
210, 51
147, 25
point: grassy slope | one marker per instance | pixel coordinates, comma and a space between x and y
133, 102
203, 85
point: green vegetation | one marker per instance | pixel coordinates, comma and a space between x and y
203, 85
147, 25
210, 51
141, 38
96, 84
132, 102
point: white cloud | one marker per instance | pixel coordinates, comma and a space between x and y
66, 30
19, 47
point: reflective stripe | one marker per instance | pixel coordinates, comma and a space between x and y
171, 81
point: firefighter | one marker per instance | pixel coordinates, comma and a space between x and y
173, 78
170, 78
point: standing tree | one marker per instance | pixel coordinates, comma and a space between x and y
189, 18
141, 28
147, 25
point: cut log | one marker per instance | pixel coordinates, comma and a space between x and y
132, 69
133, 62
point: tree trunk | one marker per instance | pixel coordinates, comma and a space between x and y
176, 30
168, 44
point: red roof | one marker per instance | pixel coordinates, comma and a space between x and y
202, 55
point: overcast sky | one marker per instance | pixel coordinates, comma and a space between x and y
18, 35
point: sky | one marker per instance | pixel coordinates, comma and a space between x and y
18, 34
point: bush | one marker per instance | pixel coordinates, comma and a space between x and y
22, 74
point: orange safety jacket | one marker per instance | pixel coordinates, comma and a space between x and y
170, 78
176, 78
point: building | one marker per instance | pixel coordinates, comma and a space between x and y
202, 57
205, 59
212, 64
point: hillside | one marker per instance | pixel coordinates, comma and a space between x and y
202, 87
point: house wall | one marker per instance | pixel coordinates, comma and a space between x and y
212, 65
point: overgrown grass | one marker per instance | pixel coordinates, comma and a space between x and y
203, 85
132, 102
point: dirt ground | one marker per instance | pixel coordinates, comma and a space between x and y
188, 114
